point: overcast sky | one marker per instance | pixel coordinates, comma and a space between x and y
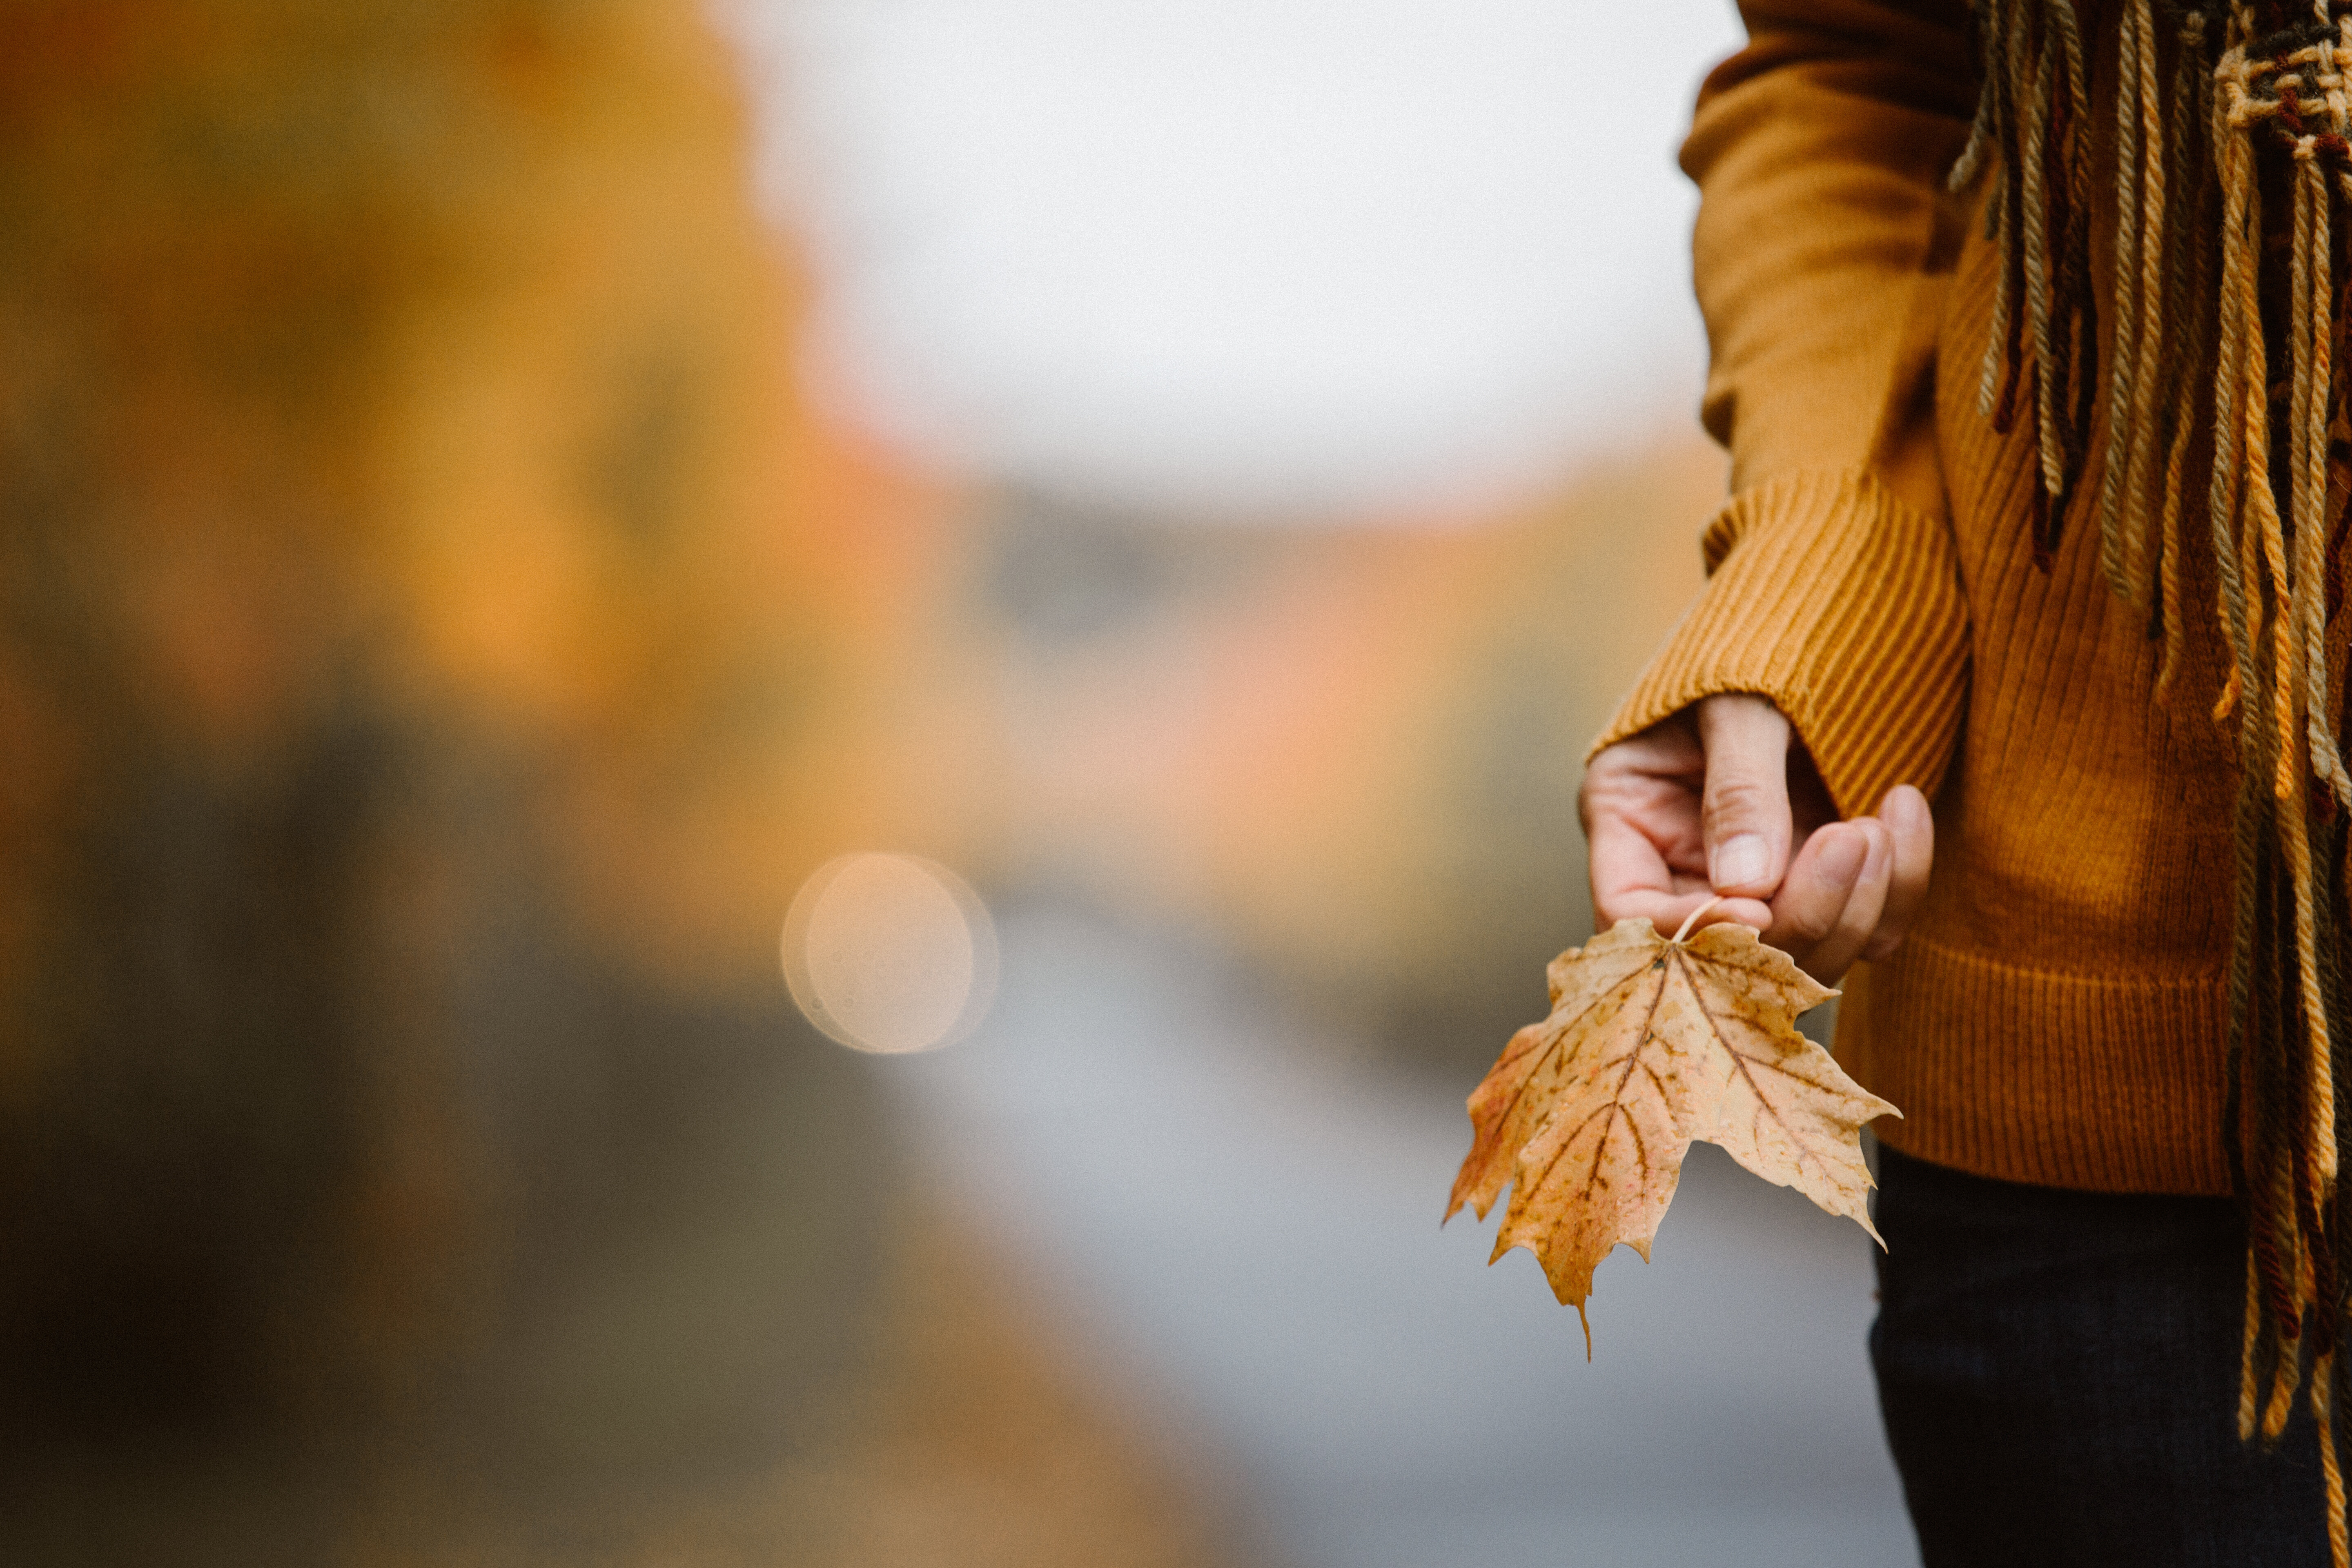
1244, 256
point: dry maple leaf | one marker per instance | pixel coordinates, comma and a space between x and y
1653, 1043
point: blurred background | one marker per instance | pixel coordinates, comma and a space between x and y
767, 771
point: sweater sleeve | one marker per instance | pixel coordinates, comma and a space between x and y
1822, 252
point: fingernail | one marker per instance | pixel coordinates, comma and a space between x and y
1739, 862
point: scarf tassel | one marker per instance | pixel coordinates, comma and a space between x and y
2233, 184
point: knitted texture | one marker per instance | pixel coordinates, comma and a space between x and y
2040, 478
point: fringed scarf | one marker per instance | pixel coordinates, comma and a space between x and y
2232, 208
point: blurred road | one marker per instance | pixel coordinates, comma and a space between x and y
1238, 1225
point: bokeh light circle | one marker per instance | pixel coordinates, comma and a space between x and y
890, 953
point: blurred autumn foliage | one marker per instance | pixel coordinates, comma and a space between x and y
435, 637
438, 630
432, 357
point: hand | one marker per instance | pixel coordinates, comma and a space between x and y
1713, 801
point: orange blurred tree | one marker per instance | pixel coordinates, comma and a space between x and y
408, 514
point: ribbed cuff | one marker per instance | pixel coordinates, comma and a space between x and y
1843, 606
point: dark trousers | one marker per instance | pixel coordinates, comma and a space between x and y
2059, 1376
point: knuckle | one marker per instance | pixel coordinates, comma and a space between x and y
1737, 800
1809, 926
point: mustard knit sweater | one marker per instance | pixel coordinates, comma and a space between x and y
2058, 1012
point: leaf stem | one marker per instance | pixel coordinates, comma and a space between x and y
1694, 917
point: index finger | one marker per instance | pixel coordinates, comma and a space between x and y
1633, 878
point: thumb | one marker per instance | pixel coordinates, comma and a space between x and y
1743, 810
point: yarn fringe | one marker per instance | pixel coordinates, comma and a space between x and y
2232, 135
